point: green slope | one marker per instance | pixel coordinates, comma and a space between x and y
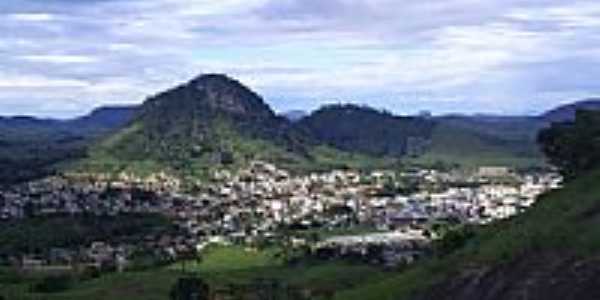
474, 144
131, 150
220, 266
565, 222
124, 152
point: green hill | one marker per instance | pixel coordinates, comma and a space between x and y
365, 130
477, 141
31, 148
211, 122
469, 141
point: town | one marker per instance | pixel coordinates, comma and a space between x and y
384, 217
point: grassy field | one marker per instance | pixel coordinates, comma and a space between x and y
219, 267
151, 285
234, 265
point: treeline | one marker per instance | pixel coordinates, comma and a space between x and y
573, 147
32, 158
37, 235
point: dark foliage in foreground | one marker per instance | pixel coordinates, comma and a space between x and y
42, 233
574, 147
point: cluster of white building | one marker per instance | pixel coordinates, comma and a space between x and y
263, 202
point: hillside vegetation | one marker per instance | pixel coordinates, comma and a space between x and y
549, 252
473, 142
366, 130
31, 148
222, 267
562, 229
213, 122
574, 146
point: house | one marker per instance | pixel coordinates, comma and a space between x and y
31, 263
490, 171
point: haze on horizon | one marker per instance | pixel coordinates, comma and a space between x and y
61, 58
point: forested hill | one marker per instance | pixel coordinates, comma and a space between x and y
215, 121
367, 130
209, 122
473, 141
31, 148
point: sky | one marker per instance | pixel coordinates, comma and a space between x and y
62, 58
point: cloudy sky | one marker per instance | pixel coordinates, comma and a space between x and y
61, 58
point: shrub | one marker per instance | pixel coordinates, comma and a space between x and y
54, 284
190, 288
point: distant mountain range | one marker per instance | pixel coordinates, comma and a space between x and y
100, 120
214, 120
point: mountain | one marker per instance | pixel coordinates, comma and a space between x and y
191, 109
100, 120
468, 141
366, 130
213, 122
567, 112
210, 121
496, 140
473, 141
32, 147
295, 115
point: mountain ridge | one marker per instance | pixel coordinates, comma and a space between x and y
214, 119
210, 121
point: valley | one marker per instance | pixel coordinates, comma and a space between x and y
205, 183
299, 150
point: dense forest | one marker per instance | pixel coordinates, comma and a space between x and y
574, 147
366, 130
35, 235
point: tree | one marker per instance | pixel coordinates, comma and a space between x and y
190, 288
54, 284
573, 147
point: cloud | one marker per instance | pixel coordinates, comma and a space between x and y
18, 82
504, 56
31, 17
60, 59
